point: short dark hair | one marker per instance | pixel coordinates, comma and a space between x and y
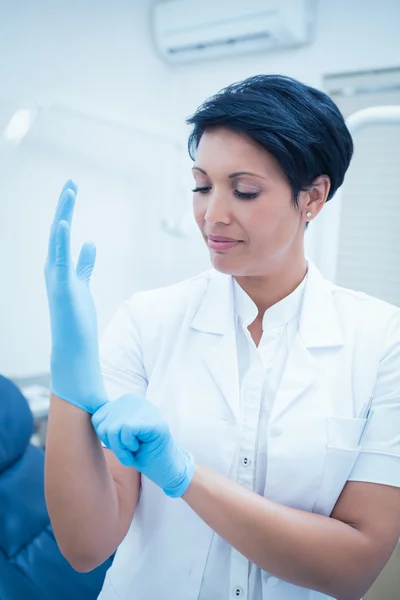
299, 125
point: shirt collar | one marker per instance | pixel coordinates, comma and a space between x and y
277, 315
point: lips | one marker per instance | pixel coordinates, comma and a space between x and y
221, 246
220, 238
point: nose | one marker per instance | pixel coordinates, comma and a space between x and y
218, 208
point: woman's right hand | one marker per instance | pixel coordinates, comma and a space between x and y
75, 365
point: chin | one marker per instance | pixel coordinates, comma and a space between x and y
228, 267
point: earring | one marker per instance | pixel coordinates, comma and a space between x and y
309, 215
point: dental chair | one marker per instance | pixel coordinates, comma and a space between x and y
31, 565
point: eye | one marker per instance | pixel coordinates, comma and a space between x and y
244, 196
202, 190
241, 195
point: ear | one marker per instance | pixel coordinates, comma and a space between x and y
315, 197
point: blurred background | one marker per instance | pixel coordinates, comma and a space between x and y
99, 91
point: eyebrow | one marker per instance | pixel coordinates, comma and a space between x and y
232, 175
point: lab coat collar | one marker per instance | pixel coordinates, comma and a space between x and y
215, 313
277, 315
319, 324
215, 317
318, 327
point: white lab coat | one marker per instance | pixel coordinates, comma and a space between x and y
177, 346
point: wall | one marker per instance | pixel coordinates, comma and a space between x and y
350, 36
99, 54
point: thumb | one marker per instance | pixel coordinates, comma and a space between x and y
123, 454
86, 261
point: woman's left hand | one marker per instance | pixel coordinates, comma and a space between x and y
75, 364
137, 433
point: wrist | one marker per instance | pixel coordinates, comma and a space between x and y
90, 403
81, 386
183, 479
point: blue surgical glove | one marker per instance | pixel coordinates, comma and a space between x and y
137, 433
75, 365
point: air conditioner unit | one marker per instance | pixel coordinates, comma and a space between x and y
190, 30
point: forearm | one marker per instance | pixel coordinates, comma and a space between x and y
302, 548
81, 495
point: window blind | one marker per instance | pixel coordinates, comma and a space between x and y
369, 237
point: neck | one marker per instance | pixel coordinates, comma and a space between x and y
280, 281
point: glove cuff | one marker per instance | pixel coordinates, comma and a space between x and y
178, 487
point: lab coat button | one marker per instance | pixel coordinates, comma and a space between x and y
276, 431
272, 581
238, 592
246, 462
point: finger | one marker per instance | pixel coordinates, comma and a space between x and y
64, 212
101, 433
62, 250
123, 455
70, 189
128, 439
86, 261
99, 416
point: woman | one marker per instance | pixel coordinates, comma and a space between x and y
252, 446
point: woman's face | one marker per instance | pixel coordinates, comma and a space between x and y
242, 194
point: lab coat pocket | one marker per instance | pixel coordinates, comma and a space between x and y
344, 432
341, 453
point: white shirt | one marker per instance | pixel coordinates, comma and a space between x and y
228, 573
179, 347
